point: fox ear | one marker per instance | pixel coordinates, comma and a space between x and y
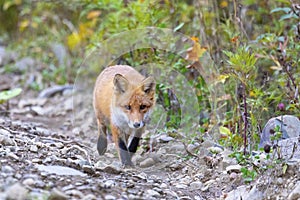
120, 83
149, 84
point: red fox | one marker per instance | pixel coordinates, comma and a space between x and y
123, 99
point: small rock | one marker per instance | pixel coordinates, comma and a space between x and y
279, 181
142, 176
295, 194
37, 110
148, 162
181, 186
113, 168
206, 144
177, 148
88, 169
24, 64
89, 197
4, 132
165, 138
109, 197
20, 195
153, 193
290, 128
233, 175
13, 156
36, 160
68, 104
254, 194
49, 92
57, 195
196, 185
215, 150
237, 193
192, 147
34, 148
163, 186
233, 168
59, 170
7, 169
28, 182
109, 183
75, 193
6, 140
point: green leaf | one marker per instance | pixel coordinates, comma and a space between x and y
178, 27
284, 1
8, 94
285, 9
284, 168
224, 130
288, 16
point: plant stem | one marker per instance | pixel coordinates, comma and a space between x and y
245, 118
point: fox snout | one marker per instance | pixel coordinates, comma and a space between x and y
137, 124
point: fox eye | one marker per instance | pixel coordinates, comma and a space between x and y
128, 107
142, 107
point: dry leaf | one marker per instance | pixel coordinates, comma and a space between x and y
93, 14
195, 52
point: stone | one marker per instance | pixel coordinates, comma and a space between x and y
148, 162
34, 148
233, 168
295, 194
89, 197
75, 193
13, 156
177, 148
254, 194
181, 186
279, 181
215, 150
59, 170
25, 63
196, 185
20, 195
192, 147
165, 138
109, 183
4, 132
290, 128
88, 169
6, 140
163, 186
233, 175
152, 193
7, 169
61, 54
49, 92
241, 192
113, 168
57, 195
109, 197
28, 182
237, 193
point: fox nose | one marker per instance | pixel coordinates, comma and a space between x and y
137, 125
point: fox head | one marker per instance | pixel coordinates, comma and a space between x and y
133, 103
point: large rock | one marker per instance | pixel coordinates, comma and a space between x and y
295, 194
243, 192
290, 128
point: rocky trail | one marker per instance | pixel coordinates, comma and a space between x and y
43, 156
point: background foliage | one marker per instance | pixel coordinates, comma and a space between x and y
255, 45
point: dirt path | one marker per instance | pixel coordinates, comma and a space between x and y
43, 156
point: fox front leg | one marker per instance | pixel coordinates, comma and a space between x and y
120, 143
134, 143
102, 139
